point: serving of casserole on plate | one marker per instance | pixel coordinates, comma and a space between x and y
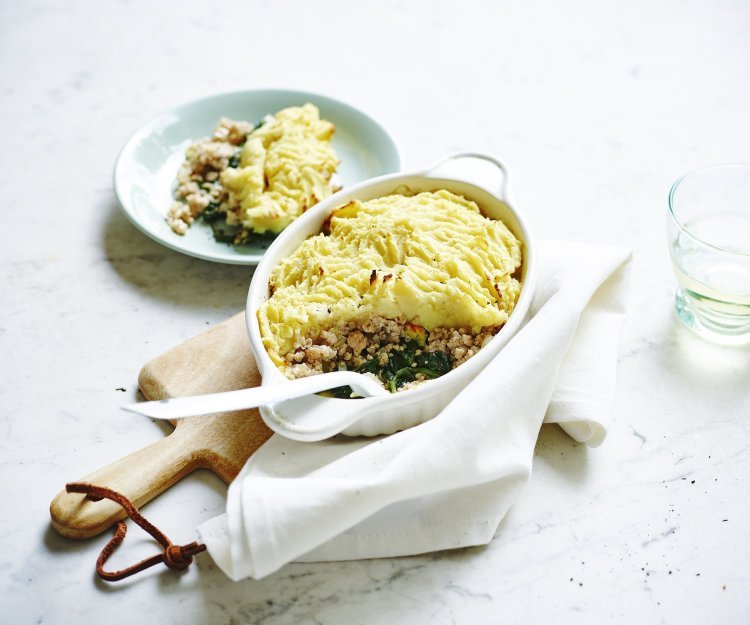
254, 180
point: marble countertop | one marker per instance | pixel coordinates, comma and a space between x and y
595, 107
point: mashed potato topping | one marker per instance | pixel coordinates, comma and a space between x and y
429, 260
285, 168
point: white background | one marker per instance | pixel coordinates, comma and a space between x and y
595, 107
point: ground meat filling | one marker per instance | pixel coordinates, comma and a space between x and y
199, 189
396, 352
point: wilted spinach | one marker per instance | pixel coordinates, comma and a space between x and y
403, 365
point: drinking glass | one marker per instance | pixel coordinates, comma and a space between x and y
708, 228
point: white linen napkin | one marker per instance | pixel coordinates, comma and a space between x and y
448, 482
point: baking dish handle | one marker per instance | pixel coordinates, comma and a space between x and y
503, 186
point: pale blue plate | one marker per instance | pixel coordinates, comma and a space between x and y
145, 171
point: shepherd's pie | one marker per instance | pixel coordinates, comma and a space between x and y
256, 179
403, 287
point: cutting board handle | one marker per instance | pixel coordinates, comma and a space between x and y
219, 359
140, 476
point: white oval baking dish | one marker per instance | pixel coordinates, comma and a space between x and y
385, 415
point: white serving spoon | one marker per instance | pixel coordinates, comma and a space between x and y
330, 424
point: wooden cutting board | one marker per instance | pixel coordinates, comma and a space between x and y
217, 360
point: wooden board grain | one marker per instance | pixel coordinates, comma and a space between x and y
220, 359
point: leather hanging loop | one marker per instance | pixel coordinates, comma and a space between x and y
175, 557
